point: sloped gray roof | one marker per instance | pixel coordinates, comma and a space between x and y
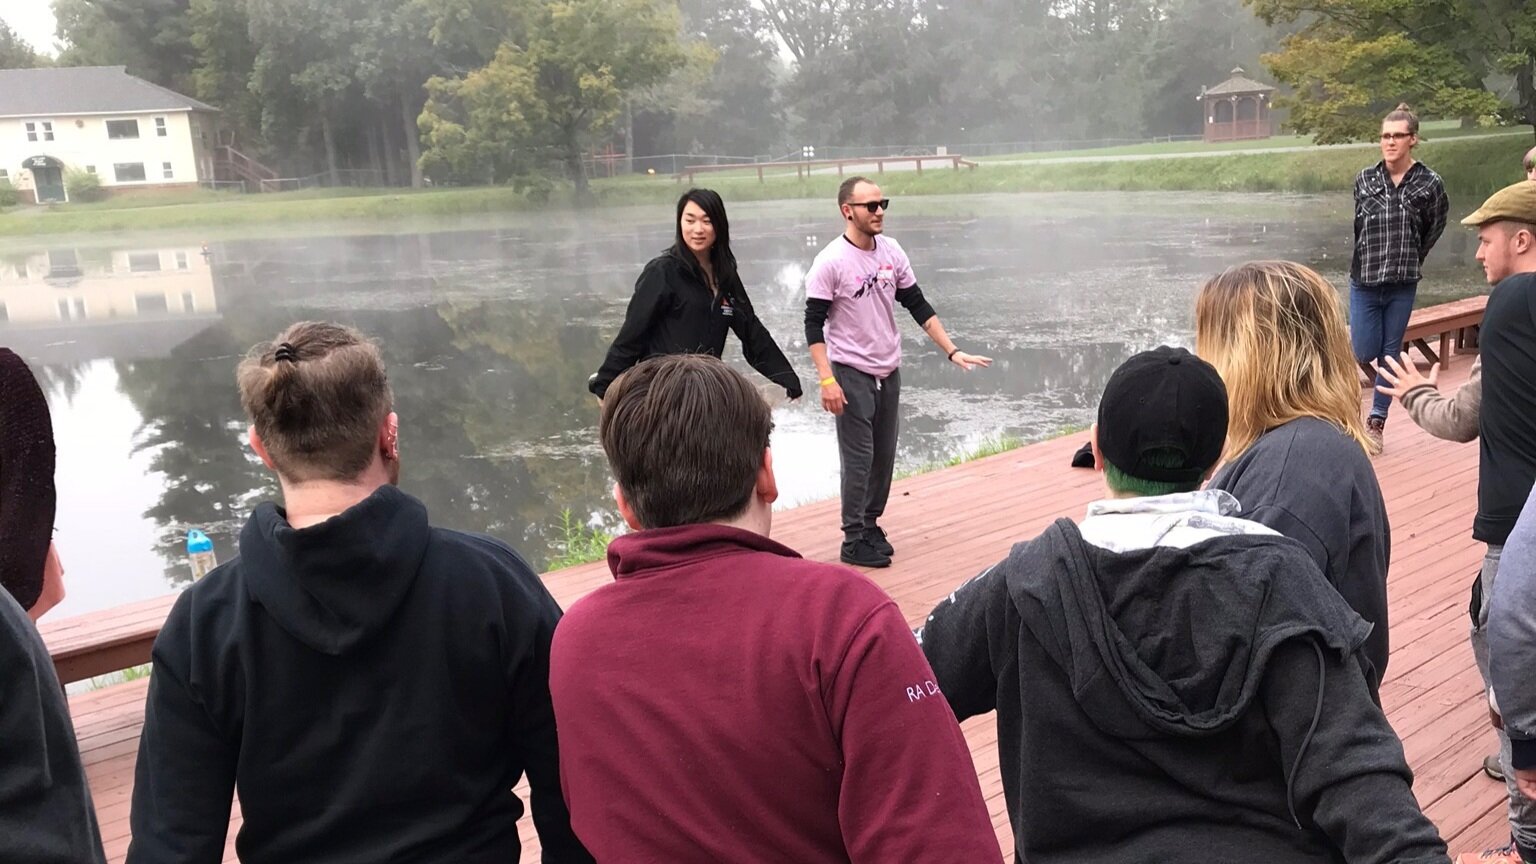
1239, 83
85, 90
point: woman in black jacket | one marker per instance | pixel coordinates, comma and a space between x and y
688, 297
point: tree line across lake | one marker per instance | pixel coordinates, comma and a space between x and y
519, 91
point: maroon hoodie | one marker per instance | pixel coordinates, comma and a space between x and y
726, 700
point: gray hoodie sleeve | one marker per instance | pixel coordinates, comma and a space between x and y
1512, 637
1344, 766
1453, 418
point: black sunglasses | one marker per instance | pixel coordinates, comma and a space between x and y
872, 206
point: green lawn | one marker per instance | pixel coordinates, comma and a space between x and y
1431, 130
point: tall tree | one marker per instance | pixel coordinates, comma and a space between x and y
301, 48
580, 58
153, 38
226, 59
728, 101
395, 57
15, 53
1353, 60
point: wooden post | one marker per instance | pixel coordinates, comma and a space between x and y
880, 166
918, 160
760, 172
839, 169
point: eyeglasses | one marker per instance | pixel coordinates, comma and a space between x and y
1395, 136
872, 206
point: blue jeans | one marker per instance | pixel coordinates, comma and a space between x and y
1378, 315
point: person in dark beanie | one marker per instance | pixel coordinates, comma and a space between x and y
724, 699
1171, 682
374, 685
46, 815
29, 563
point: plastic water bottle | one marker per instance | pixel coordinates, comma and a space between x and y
200, 554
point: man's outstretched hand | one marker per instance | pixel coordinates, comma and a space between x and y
970, 361
1404, 376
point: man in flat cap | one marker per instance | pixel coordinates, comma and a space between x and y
46, 816
1503, 404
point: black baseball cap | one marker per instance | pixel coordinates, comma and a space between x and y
1163, 399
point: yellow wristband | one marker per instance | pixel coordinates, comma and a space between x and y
828, 380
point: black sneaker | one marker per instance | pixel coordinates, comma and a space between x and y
876, 537
862, 553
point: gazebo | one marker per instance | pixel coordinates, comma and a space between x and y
1236, 109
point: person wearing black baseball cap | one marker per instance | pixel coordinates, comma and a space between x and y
46, 815
1195, 666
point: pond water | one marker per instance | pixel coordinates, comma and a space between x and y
491, 328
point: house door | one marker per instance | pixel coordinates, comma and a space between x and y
47, 179
50, 184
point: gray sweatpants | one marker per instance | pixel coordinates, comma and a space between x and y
866, 444
1522, 810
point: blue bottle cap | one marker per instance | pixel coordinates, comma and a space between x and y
197, 541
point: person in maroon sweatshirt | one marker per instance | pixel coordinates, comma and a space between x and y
726, 700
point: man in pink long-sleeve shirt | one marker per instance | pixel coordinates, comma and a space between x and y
726, 700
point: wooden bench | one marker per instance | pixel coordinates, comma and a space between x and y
1445, 320
100, 643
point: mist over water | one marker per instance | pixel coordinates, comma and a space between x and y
490, 332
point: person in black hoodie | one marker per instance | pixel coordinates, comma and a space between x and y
46, 814
374, 685
689, 297
1173, 683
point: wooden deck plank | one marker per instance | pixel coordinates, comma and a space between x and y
950, 524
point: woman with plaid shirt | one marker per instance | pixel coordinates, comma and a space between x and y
1400, 211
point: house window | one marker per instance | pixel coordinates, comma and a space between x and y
31, 131
149, 304
169, 174
188, 306
160, 130
128, 172
5, 175
118, 129
47, 130
90, 169
181, 261
143, 262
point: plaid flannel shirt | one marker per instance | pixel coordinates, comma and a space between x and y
1395, 226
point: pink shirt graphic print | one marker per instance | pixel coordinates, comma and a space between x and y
861, 326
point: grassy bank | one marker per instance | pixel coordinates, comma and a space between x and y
1472, 169
1432, 130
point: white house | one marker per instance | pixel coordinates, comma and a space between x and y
101, 120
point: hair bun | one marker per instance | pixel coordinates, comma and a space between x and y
1403, 106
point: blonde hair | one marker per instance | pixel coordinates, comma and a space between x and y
317, 395
1275, 332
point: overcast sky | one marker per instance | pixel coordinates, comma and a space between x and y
32, 20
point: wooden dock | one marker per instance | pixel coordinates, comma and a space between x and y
950, 524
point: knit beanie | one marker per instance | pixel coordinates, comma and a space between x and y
27, 495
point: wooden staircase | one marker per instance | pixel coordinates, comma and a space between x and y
231, 164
